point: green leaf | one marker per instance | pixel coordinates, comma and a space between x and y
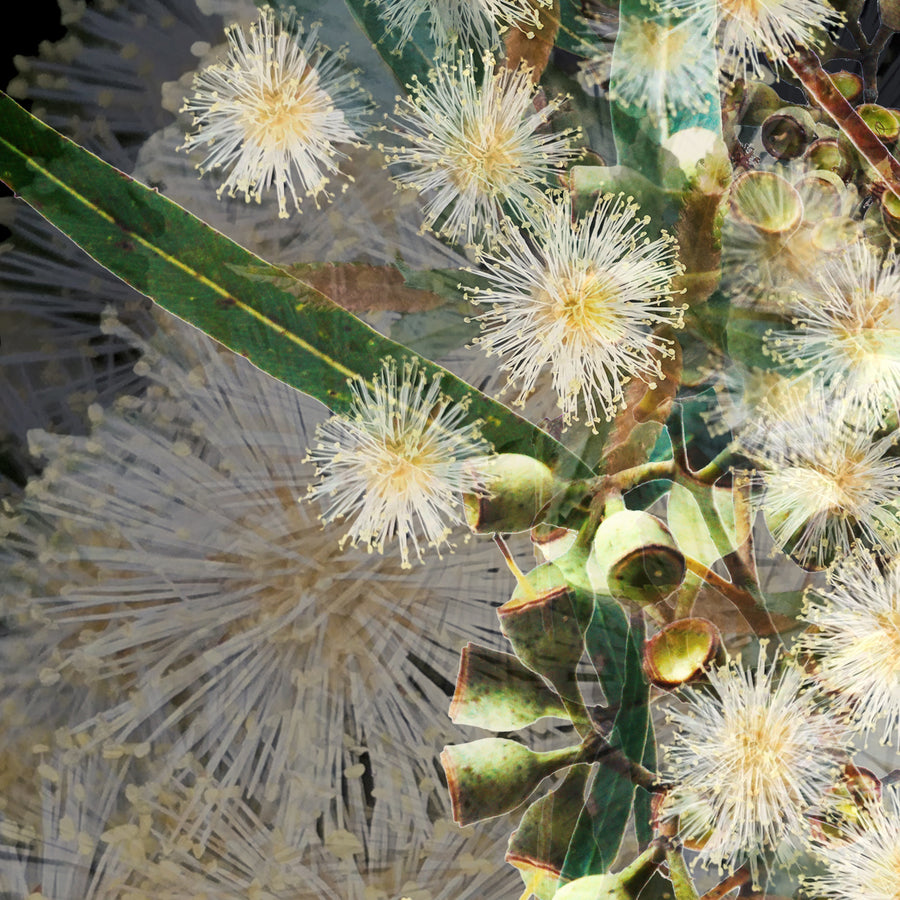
281, 324
414, 58
615, 649
688, 526
540, 843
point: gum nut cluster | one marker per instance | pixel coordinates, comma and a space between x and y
582, 296
274, 112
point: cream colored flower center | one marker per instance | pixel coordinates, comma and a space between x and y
280, 117
746, 10
757, 744
587, 305
402, 470
653, 45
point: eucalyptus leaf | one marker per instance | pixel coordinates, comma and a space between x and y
283, 325
615, 649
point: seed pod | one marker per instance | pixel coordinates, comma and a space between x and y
760, 101
544, 620
496, 691
788, 132
882, 121
767, 202
826, 154
635, 557
624, 885
890, 211
849, 84
680, 652
821, 193
516, 488
492, 776
541, 842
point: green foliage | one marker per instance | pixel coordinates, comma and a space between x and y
281, 324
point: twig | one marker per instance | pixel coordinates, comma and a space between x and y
807, 67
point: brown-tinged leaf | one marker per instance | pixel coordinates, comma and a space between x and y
365, 288
532, 47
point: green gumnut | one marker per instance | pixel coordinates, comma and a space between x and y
680, 652
516, 489
493, 776
787, 132
760, 101
767, 202
634, 557
624, 885
848, 84
882, 121
544, 620
828, 155
496, 691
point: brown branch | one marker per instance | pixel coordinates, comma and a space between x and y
807, 67
738, 879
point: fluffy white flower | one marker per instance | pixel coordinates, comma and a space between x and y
399, 459
273, 113
828, 478
846, 320
459, 22
582, 297
856, 640
171, 563
472, 147
752, 29
659, 64
749, 757
864, 864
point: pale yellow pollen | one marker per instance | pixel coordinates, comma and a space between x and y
281, 116
586, 303
651, 43
756, 744
746, 10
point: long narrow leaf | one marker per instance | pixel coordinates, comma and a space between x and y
284, 326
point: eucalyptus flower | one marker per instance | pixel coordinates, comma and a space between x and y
750, 755
855, 639
459, 22
275, 111
170, 563
584, 297
863, 864
750, 30
474, 145
828, 476
397, 463
846, 325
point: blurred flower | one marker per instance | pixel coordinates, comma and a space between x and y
169, 559
355, 854
864, 864
274, 112
65, 855
456, 23
752, 29
846, 320
399, 458
473, 149
749, 757
828, 478
659, 64
581, 296
856, 640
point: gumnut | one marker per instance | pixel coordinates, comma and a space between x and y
634, 557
